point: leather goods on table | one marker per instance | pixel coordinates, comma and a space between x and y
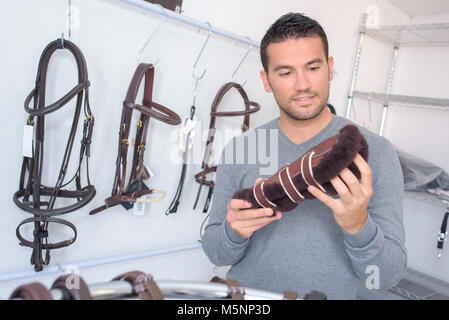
31, 291
72, 290
33, 197
200, 177
128, 194
143, 285
235, 290
288, 187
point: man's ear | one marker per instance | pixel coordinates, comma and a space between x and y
266, 83
330, 62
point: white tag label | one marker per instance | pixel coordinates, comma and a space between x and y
27, 143
139, 208
188, 127
190, 124
151, 172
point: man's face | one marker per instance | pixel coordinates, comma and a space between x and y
298, 75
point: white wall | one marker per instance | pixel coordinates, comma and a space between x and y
110, 35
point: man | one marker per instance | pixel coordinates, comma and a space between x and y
329, 244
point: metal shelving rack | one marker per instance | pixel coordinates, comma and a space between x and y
412, 35
414, 285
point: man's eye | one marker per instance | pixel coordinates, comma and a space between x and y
283, 74
313, 68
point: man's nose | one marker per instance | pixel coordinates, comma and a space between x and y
302, 82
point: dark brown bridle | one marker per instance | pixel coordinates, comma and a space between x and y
135, 187
31, 186
200, 177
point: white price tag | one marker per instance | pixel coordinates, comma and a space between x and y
27, 143
150, 172
139, 208
189, 126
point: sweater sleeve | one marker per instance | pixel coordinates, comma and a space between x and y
221, 244
377, 251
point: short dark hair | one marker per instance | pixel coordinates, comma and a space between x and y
291, 26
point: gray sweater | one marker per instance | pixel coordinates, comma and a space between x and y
306, 250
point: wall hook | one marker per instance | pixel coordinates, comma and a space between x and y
154, 32
199, 55
243, 59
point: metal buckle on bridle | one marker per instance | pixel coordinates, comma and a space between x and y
141, 146
89, 118
30, 121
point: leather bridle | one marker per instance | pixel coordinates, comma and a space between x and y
127, 195
200, 177
31, 186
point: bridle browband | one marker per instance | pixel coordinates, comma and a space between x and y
200, 177
135, 187
44, 211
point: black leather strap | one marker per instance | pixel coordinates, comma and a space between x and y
443, 233
173, 207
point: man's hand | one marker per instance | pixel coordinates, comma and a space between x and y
246, 221
351, 208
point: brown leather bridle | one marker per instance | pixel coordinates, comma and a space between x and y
200, 177
127, 195
31, 186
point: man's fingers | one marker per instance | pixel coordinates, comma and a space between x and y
351, 185
320, 195
257, 223
366, 173
238, 204
246, 227
253, 213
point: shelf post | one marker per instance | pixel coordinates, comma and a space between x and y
389, 86
356, 64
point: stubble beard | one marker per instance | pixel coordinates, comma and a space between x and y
297, 114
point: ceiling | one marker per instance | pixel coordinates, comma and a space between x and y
422, 7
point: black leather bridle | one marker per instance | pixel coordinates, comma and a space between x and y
31, 191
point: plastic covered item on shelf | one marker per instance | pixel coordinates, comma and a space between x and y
422, 175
